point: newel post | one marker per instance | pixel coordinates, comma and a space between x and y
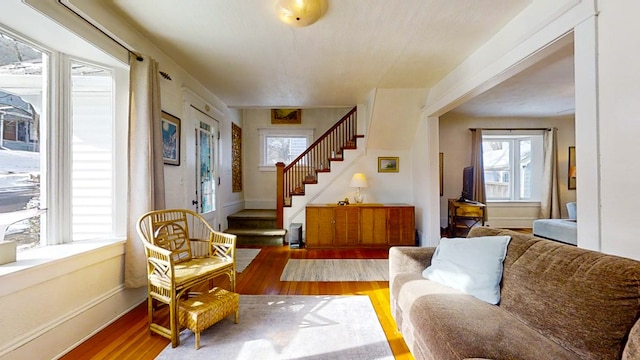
280, 195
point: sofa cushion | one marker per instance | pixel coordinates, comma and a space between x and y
471, 265
563, 230
457, 326
572, 210
406, 289
584, 300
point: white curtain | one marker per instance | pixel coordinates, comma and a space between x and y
146, 168
550, 201
477, 162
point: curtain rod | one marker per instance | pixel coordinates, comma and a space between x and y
138, 56
507, 129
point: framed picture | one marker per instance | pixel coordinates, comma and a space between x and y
388, 164
572, 168
441, 171
170, 139
236, 158
286, 116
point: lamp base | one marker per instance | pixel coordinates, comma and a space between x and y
358, 198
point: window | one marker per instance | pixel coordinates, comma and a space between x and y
57, 144
281, 145
23, 118
513, 165
92, 151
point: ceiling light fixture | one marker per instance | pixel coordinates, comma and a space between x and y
300, 13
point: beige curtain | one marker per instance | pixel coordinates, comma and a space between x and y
477, 162
550, 198
146, 168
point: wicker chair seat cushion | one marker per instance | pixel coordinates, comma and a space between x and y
192, 270
187, 270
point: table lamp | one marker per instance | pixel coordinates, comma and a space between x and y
358, 181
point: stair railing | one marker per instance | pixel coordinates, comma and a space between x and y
315, 159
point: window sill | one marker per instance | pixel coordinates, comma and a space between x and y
270, 168
46, 263
512, 203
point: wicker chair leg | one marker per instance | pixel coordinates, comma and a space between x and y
232, 280
174, 326
150, 312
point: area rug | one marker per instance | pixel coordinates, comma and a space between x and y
244, 257
291, 327
336, 270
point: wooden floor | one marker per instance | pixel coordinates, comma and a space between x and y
128, 337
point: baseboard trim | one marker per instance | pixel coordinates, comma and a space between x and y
75, 327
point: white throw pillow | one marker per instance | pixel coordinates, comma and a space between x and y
473, 265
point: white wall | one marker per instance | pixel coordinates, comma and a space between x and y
455, 144
618, 89
233, 201
49, 309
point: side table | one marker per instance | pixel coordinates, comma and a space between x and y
463, 215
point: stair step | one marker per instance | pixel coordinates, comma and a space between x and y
254, 214
257, 232
252, 219
262, 237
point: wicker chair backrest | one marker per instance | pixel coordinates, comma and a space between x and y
170, 231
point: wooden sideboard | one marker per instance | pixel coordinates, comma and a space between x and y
362, 225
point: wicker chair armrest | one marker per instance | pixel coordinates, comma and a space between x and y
223, 245
159, 262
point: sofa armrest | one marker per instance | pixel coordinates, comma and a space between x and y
408, 259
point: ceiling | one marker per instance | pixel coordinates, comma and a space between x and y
545, 89
242, 53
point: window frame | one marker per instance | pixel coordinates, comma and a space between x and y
269, 132
537, 160
57, 130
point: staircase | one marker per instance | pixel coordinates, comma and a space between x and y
304, 170
256, 227
265, 227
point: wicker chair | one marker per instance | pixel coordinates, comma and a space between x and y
182, 251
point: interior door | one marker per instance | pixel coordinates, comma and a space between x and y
207, 176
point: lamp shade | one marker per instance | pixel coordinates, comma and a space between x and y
300, 12
358, 180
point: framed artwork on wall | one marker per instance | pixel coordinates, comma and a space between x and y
572, 168
236, 158
286, 116
388, 164
170, 139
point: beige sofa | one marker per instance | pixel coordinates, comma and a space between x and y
557, 302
